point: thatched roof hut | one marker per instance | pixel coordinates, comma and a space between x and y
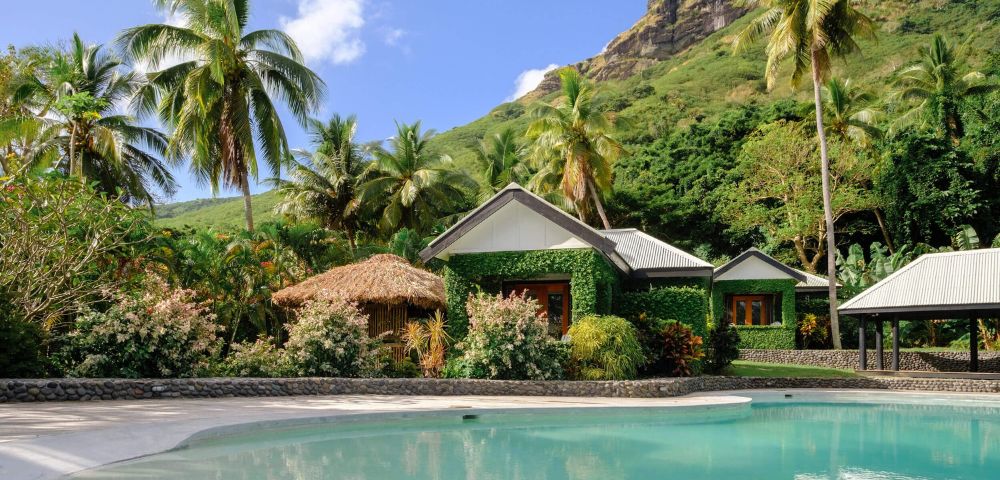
382, 279
386, 288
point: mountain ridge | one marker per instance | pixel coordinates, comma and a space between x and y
674, 87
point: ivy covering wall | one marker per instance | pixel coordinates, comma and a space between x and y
760, 336
592, 280
688, 305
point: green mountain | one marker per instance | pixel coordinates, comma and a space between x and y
215, 212
675, 68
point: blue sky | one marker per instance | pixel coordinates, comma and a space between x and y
445, 62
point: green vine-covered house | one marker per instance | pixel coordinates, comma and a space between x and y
518, 242
763, 298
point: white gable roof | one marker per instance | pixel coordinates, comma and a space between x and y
517, 220
754, 264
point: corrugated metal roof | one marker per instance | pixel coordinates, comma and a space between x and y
812, 281
950, 281
645, 252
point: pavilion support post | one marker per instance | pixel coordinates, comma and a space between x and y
878, 344
973, 345
862, 351
895, 343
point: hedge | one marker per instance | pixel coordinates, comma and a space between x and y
592, 279
760, 336
688, 305
766, 337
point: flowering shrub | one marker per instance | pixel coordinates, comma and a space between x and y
330, 339
605, 348
163, 333
257, 359
508, 340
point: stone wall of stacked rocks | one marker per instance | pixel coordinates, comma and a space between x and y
914, 361
119, 389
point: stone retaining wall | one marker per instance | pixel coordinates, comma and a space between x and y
917, 361
119, 389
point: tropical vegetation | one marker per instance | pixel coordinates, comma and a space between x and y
890, 155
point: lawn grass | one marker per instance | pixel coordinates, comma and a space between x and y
742, 368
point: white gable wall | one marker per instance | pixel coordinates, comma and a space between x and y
753, 268
515, 228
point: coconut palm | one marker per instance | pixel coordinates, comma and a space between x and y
573, 147
937, 86
219, 101
410, 186
499, 161
809, 31
849, 113
323, 182
26, 138
83, 86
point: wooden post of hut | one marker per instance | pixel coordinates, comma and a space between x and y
385, 287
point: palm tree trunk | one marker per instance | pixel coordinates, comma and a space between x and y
247, 204
351, 244
600, 206
72, 151
885, 230
831, 244
4, 164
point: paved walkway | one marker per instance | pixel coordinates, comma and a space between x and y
48, 440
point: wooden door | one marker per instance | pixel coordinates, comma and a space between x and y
750, 310
553, 303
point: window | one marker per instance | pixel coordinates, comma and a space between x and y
755, 309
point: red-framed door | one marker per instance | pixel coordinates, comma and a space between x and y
553, 303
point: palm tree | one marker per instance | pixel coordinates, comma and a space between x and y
220, 101
83, 86
323, 182
848, 112
499, 161
809, 31
937, 87
28, 140
410, 186
573, 146
850, 118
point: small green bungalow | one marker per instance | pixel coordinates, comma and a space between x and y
763, 298
518, 242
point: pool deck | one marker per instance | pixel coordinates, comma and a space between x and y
50, 440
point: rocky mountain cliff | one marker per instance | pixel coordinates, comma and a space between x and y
667, 28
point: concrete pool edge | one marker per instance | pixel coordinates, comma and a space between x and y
137, 430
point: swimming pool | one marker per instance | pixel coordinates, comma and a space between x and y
883, 437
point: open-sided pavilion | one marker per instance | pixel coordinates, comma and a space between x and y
963, 286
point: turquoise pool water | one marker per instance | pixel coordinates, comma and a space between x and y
778, 440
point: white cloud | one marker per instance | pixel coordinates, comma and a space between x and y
328, 30
393, 35
528, 80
